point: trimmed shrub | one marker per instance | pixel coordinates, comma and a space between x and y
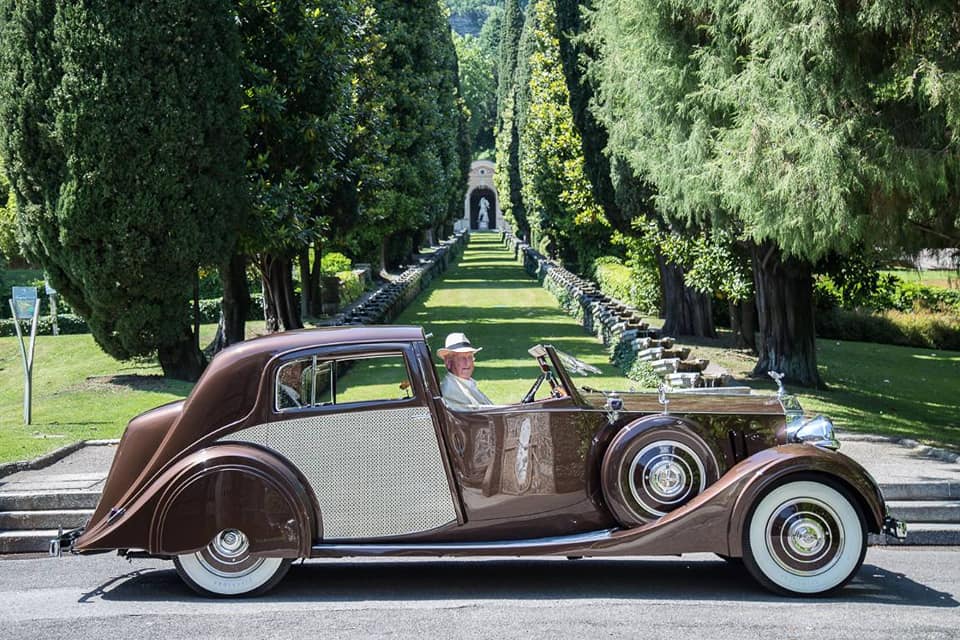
915, 329
351, 287
619, 281
334, 263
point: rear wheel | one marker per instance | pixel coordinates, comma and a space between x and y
804, 537
225, 567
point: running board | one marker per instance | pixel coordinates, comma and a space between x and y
560, 545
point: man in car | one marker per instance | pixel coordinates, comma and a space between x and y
458, 388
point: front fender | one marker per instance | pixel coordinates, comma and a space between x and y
227, 486
765, 470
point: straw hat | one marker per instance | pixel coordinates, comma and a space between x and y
457, 343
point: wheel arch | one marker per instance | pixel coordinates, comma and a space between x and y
235, 486
860, 487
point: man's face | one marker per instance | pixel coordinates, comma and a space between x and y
460, 364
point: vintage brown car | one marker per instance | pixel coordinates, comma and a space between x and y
337, 442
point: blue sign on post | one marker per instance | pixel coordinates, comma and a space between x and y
25, 305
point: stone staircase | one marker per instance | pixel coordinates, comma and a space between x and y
930, 509
28, 520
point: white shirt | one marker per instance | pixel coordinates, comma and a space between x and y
462, 393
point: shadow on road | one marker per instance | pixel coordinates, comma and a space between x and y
546, 579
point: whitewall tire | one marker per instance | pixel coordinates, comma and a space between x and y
804, 537
225, 567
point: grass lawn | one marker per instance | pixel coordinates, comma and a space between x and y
490, 298
945, 278
873, 388
80, 393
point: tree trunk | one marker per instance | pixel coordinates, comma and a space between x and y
306, 291
235, 304
270, 319
743, 321
784, 291
687, 312
279, 278
316, 308
181, 359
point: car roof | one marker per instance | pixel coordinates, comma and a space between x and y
304, 338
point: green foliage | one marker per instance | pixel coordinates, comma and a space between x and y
888, 293
478, 84
67, 324
8, 221
507, 177
351, 287
297, 61
711, 263
119, 124
564, 219
925, 329
642, 372
334, 262
816, 125
619, 281
412, 149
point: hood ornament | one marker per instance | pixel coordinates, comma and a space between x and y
663, 399
778, 378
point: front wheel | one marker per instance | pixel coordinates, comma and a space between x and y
225, 567
804, 538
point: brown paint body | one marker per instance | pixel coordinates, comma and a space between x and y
523, 479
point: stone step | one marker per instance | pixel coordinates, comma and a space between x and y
48, 501
25, 520
37, 540
943, 490
683, 380
666, 366
926, 511
929, 534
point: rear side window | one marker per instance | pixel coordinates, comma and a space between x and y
316, 382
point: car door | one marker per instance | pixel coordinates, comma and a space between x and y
357, 424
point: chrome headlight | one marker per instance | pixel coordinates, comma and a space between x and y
817, 431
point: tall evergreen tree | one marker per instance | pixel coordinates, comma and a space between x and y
564, 218
297, 60
417, 158
120, 126
507, 178
806, 128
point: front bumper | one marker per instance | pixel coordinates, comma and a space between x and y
64, 541
895, 528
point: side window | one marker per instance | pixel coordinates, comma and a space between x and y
313, 382
304, 383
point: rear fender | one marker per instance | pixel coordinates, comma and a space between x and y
234, 486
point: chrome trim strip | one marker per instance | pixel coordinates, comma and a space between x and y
556, 544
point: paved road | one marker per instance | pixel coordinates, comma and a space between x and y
900, 592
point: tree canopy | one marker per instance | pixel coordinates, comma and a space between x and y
123, 147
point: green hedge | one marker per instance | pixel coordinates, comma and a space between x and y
67, 323
914, 329
891, 294
619, 281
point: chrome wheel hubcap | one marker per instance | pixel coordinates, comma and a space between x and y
805, 536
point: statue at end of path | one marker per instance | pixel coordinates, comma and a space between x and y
483, 220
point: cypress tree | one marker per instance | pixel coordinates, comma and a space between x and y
121, 132
507, 178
